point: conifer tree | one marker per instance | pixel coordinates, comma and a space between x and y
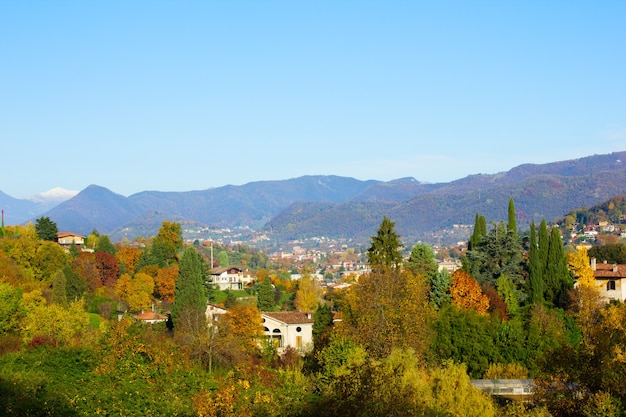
384, 252
59, 291
511, 225
479, 232
190, 291
536, 268
557, 276
265, 295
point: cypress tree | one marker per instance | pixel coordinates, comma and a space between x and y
190, 291
557, 275
535, 267
511, 225
480, 231
265, 295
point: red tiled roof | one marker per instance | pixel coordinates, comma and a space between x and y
610, 271
65, 234
290, 317
150, 315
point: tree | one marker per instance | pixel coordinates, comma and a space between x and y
166, 244
165, 283
265, 295
388, 309
46, 229
322, 326
308, 294
190, 290
59, 293
222, 259
511, 225
535, 281
466, 292
136, 291
129, 257
422, 261
589, 300
104, 245
480, 231
108, 268
556, 275
384, 252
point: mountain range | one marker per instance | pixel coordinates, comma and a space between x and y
336, 206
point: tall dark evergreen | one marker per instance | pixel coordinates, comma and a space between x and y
422, 261
46, 229
384, 252
556, 276
190, 291
535, 268
479, 232
511, 225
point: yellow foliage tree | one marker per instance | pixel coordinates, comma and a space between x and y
589, 300
135, 291
387, 309
54, 323
308, 294
466, 292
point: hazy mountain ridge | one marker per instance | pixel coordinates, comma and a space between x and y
344, 207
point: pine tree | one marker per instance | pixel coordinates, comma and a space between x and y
511, 225
46, 229
384, 252
190, 290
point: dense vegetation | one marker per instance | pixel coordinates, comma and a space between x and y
409, 339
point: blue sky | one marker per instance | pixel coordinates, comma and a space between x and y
189, 95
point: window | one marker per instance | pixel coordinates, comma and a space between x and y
298, 329
610, 286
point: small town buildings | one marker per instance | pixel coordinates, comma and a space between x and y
213, 312
230, 278
610, 279
289, 328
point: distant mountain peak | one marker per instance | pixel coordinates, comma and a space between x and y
53, 195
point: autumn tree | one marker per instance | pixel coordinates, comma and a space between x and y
466, 292
129, 257
308, 294
166, 244
588, 300
136, 291
165, 283
59, 293
46, 229
388, 309
108, 268
86, 267
384, 251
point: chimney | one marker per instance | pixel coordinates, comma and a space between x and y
593, 264
614, 267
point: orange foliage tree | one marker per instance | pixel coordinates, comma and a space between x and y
130, 258
466, 292
165, 283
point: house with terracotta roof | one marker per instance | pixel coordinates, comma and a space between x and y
610, 279
150, 317
289, 328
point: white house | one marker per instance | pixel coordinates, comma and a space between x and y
289, 328
611, 279
213, 312
230, 278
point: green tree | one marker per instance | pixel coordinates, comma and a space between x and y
480, 231
190, 291
511, 225
265, 295
104, 245
59, 292
167, 243
422, 261
46, 229
439, 294
322, 326
556, 276
384, 252
535, 282
222, 259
